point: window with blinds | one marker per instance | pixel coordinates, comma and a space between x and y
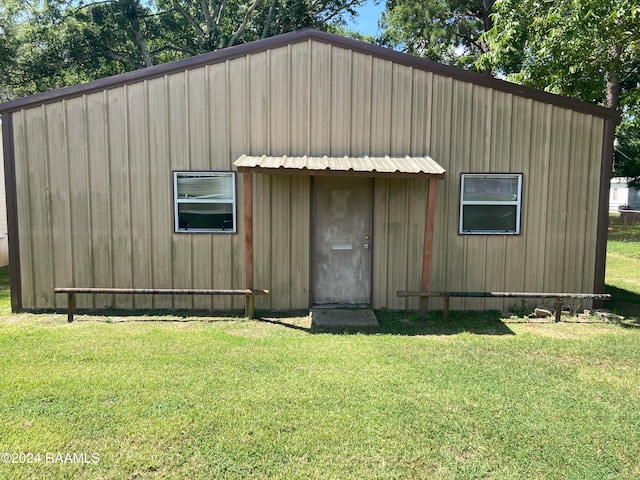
204, 202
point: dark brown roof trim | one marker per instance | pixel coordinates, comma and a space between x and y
297, 37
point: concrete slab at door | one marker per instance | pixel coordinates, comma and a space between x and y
342, 211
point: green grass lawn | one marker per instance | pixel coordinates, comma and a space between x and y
471, 397
623, 267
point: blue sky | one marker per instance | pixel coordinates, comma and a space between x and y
367, 21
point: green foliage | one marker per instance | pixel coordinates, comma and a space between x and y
571, 47
448, 31
585, 49
46, 45
627, 151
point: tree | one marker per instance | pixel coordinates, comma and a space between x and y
62, 42
587, 49
448, 31
627, 150
195, 27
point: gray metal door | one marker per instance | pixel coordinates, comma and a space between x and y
342, 208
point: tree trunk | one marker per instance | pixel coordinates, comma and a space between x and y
612, 93
131, 11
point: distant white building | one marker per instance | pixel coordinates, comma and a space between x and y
620, 194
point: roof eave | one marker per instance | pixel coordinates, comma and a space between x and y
341, 173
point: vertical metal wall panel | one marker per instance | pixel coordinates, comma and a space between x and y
575, 225
182, 252
320, 94
421, 112
259, 102
23, 208
141, 261
441, 143
61, 248
360, 140
450, 275
536, 196
300, 99
279, 94
77, 131
499, 161
280, 252
381, 95
341, 101
100, 196
120, 207
240, 125
517, 158
557, 207
218, 135
31, 173
262, 237
199, 148
300, 259
397, 241
402, 110
588, 273
221, 265
476, 245
161, 194
416, 216
380, 244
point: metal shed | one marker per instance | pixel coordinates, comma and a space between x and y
130, 181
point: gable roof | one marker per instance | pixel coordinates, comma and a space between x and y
298, 37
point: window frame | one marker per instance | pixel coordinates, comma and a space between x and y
177, 201
517, 203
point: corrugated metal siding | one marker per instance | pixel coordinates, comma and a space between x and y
89, 216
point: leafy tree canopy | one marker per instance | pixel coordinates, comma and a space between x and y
448, 31
580, 48
46, 45
586, 49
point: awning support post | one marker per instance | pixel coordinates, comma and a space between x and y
427, 255
247, 186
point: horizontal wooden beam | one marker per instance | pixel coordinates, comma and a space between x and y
602, 296
559, 296
161, 291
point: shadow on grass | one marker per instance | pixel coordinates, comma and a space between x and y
408, 324
623, 302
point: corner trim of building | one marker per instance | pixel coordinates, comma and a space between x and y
12, 211
606, 166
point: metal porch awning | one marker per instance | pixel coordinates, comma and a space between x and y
364, 166
384, 166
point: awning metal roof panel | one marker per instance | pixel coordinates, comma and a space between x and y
406, 165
